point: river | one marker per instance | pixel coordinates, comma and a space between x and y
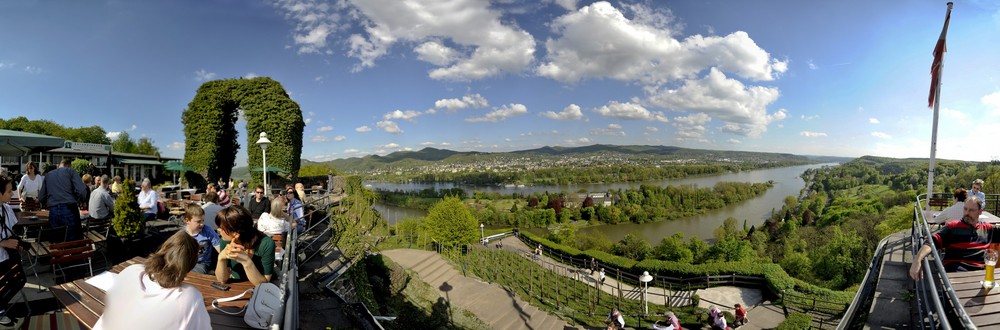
787, 181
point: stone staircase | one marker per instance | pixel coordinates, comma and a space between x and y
495, 306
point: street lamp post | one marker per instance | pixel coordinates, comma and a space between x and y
482, 234
263, 142
645, 278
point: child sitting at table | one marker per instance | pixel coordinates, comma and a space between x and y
194, 225
153, 296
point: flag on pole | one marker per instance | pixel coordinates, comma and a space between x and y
939, 50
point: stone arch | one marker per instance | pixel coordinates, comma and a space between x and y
210, 127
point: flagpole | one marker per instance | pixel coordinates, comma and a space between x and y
937, 67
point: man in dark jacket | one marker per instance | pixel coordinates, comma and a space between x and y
62, 191
259, 204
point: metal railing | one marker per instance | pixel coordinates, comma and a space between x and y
860, 306
938, 306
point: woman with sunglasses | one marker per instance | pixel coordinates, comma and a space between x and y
295, 210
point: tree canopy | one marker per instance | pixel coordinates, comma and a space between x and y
210, 132
451, 223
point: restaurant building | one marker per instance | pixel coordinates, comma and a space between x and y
105, 160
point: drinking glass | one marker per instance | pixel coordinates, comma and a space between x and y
990, 259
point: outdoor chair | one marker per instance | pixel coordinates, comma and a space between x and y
73, 254
98, 232
12, 281
40, 246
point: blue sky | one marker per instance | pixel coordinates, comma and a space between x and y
842, 78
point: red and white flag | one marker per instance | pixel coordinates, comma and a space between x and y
939, 50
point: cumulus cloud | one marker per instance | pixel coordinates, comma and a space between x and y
32, 69
351, 151
387, 22
502, 113
583, 140
389, 126
408, 115
566, 4
339, 138
599, 41
468, 101
743, 108
363, 129
319, 138
610, 130
811, 134
112, 135
960, 117
808, 118
652, 129
176, 146
881, 135
570, 112
389, 146
629, 110
202, 75
314, 22
735, 141
692, 127
873, 120
992, 101
325, 129
250, 75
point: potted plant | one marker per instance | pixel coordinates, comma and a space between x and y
128, 221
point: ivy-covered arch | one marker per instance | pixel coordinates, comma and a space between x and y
210, 127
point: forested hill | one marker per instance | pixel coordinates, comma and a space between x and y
668, 154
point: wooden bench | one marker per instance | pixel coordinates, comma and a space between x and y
939, 203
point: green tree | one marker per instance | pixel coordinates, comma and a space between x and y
451, 223
124, 143
673, 248
410, 230
354, 219
728, 229
81, 166
632, 247
316, 170
128, 220
145, 146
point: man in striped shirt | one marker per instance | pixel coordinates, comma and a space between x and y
223, 197
965, 241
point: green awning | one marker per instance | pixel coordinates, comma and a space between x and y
139, 162
17, 143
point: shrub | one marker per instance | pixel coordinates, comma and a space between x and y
796, 321
128, 221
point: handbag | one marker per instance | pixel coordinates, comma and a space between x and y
264, 305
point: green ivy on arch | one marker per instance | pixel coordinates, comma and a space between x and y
210, 127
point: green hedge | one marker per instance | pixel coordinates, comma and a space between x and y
776, 278
795, 321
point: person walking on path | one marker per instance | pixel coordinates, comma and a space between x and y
741, 316
601, 276
62, 191
593, 266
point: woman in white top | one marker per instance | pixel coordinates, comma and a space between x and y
276, 222
147, 200
153, 296
30, 182
956, 211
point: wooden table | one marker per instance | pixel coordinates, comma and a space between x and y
86, 302
981, 304
24, 218
985, 217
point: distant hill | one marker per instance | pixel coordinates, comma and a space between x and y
426, 156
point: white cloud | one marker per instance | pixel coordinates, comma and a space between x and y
389, 126
351, 151
339, 138
434, 52
808, 118
692, 127
202, 75
427, 143
112, 135
176, 146
566, 4
993, 102
629, 110
468, 101
743, 108
961, 117
445, 143
735, 141
325, 129
307, 120
32, 69
363, 129
811, 134
611, 130
464, 23
502, 113
812, 65
4, 65
570, 112
314, 20
579, 141
250, 75
319, 138
408, 115
389, 146
881, 135
873, 120
652, 129
599, 41
132, 128
324, 158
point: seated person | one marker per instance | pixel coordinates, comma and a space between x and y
275, 222
615, 320
977, 187
295, 211
153, 296
964, 241
194, 225
8, 240
955, 211
247, 254
671, 322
